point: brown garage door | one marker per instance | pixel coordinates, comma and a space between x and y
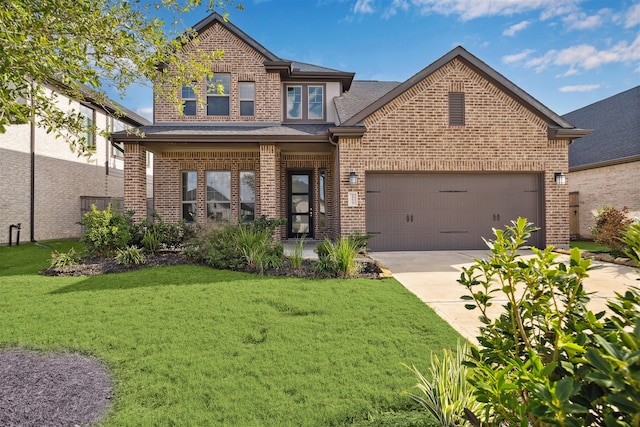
447, 211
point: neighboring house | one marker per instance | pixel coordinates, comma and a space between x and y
42, 180
431, 163
604, 167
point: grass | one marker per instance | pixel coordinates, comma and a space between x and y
589, 245
188, 345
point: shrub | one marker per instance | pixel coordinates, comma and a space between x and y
610, 224
157, 233
338, 258
447, 392
257, 248
62, 259
152, 241
131, 255
359, 241
105, 232
295, 258
238, 246
545, 359
631, 238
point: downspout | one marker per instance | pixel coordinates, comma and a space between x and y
33, 170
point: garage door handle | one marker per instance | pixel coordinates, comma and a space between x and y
407, 218
498, 217
411, 218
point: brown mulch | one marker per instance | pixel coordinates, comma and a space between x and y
95, 266
52, 390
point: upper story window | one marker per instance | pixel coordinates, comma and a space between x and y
218, 94
305, 102
456, 109
118, 126
247, 92
316, 102
88, 115
188, 101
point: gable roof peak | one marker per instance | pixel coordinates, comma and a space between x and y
216, 18
478, 66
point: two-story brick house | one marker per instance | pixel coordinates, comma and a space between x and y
431, 163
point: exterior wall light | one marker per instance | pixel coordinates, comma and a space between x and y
560, 178
353, 178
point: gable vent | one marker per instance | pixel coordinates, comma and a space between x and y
456, 108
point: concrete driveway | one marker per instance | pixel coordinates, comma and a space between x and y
432, 277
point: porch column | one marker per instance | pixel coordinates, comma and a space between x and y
268, 181
135, 180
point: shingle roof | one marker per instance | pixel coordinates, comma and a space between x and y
361, 94
215, 131
303, 66
616, 130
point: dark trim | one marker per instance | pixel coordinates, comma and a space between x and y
606, 163
571, 134
200, 138
348, 132
310, 194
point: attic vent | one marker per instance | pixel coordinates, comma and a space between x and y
456, 108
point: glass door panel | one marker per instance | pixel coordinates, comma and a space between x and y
300, 206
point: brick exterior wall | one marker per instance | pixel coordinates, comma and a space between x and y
615, 186
244, 64
411, 133
135, 175
61, 178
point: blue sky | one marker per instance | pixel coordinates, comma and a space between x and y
565, 53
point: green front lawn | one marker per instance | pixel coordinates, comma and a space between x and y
192, 346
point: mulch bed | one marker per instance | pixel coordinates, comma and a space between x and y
94, 266
52, 389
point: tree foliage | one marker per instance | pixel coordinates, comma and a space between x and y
83, 46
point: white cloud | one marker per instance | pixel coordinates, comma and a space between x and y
472, 9
585, 56
633, 16
588, 57
517, 57
579, 88
582, 21
363, 6
146, 112
512, 30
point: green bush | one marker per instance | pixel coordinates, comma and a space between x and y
156, 234
257, 248
610, 225
631, 239
545, 359
130, 255
447, 392
152, 241
338, 258
238, 246
106, 232
62, 259
295, 258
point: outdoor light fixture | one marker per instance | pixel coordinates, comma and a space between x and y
353, 178
560, 178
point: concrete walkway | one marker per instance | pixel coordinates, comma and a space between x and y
433, 275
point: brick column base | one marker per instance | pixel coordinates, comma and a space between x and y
135, 180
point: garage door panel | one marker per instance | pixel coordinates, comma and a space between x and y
447, 211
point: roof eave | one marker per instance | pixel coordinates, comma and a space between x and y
613, 162
195, 138
556, 133
348, 132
